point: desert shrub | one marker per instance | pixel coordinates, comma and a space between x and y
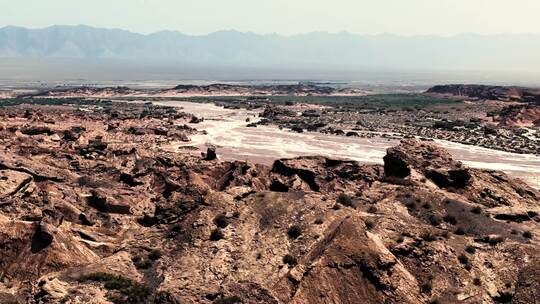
514, 231
400, 239
527, 234
426, 287
476, 210
344, 200
228, 300
411, 206
336, 207
319, 221
470, 249
372, 209
369, 224
289, 260
450, 219
459, 231
504, 297
216, 235
435, 220
463, 259
221, 221
294, 232
426, 206
129, 291
494, 240
155, 255
428, 237
141, 263
477, 281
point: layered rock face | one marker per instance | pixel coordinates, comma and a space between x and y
121, 224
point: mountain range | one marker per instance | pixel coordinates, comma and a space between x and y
504, 52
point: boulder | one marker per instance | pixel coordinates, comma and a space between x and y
36, 130
46, 232
395, 164
107, 204
428, 159
210, 154
195, 120
178, 135
272, 112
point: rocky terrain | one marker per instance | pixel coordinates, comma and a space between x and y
524, 110
487, 124
520, 115
92, 210
495, 117
486, 92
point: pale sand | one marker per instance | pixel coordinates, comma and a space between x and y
227, 130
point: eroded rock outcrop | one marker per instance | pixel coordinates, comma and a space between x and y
321, 173
519, 116
488, 92
428, 159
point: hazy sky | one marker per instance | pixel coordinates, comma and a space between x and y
442, 17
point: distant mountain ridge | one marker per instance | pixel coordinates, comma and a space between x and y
314, 50
216, 89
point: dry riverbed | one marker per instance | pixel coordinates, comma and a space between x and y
226, 129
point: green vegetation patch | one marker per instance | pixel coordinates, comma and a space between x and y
389, 102
126, 290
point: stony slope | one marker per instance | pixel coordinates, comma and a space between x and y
101, 214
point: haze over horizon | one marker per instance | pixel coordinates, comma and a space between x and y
495, 39
285, 35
